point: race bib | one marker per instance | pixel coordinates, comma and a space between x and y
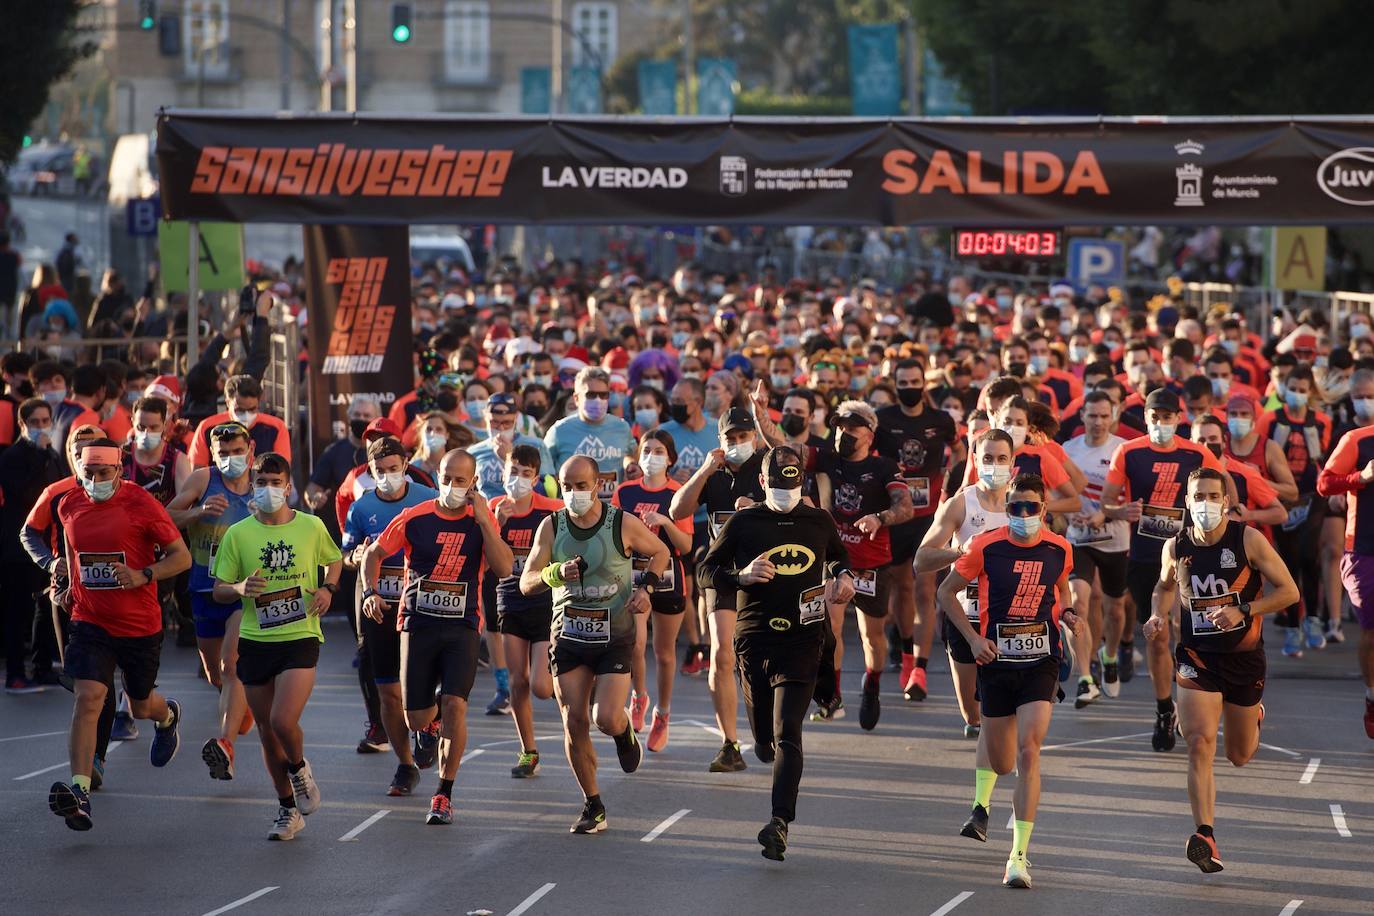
98, 569
605, 485
811, 605
441, 599
1084, 534
1198, 609
277, 609
1160, 522
214, 549
866, 582
520, 555
919, 487
389, 581
1023, 641
1297, 516
716, 521
969, 599
666, 582
588, 625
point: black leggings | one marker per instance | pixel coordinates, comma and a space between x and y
775, 717
1299, 550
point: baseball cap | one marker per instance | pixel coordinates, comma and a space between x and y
381, 426
383, 447
735, 418
1163, 399
740, 362
783, 470
500, 404
858, 410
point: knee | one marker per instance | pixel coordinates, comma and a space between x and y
281, 725
606, 720
454, 708
1237, 756
665, 656
1028, 757
577, 721
723, 661
519, 682
89, 702
1003, 767
1201, 745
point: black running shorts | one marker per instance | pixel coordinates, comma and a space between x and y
383, 643
92, 654
1110, 569
764, 664
260, 661
955, 644
1005, 690
442, 657
1237, 676
613, 659
874, 605
530, 625
1140, 582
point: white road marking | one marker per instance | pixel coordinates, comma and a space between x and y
517, 740
1011, 820
532, 899
955, 901
477, 752
1055, 747
1281, 750
39, 735
1291, 908
242, 900
667, 822
58, 766
1311, 771
1338, 818
352, 835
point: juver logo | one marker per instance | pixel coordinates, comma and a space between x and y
1348, 176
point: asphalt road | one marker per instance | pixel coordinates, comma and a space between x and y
878, 824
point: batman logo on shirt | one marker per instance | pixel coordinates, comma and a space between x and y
791, 559
780, 624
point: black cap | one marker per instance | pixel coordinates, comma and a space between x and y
384, 447
1163, 399
736, 418
783, 468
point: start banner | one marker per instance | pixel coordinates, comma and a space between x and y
358, 284
346, 168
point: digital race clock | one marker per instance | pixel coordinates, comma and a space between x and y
1004, 243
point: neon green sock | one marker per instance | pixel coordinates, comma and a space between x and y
1109, 659
983, 781
1020, 837
83, 781
1084, 678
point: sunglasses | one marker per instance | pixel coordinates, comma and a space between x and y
826, 366
228, 429
1024, 508
597, 395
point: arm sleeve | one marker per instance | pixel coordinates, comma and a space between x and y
258, 339
36, 546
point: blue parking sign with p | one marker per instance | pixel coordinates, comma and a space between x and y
1099, 261
141, 215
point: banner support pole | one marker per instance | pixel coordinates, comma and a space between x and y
192, 293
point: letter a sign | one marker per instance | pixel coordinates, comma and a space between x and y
1298, 257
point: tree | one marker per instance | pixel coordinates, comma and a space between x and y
37, 48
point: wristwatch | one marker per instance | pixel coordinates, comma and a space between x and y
1245, 609
148, 573
332, 586
369, 592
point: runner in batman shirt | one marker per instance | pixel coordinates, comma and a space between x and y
1219, 567
212, 499
119, 542
1022, 572
972, 511
368, 518
583, 553
915, 435
524, 620
1145, 487
787, 563
648, 498
449, 542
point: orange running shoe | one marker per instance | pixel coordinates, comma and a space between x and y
914, 686
658, 732
639, 708
908, 666
1202, 852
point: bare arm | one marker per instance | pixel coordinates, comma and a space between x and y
1076, 475
935, 552
531, 579
1271, 566
767, 428
644, 542
500, 558
686, 499
1272, 514
1065, 499
901, 509
1162, 598
183, 508
1280, 474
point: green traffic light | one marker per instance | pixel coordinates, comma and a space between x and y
28, 141
401, 34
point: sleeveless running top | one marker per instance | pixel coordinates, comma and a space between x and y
160, 479
206, 532
976, 521
591, 613
1216, 575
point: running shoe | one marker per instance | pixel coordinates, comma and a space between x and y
773, 839
404, 782
972, 731
304, 788
97, 772
908, 666
1369, 717
729, 759
124, 728
1087, 692
72, 804
500, 703
592, 820
1166, 729
1292, 642
870, 705
166, 740
218, 755
21, 685
1125, 662
1068, 659
914, 686
1111, 675
289, 822
1334, 634
1202, 852
374, 739
440, 810
1017, 873
1312, 630
527, 766
630, 752
658, 732
425, 746
827, 711
639, 708
698, 661
976, 827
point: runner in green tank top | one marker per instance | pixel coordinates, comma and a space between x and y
583, 554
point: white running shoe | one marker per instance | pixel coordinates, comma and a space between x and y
304, 788
1017, 873
288, 823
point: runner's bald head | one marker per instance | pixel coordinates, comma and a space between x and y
457, 464
578, 469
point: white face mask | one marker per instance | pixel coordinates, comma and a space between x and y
452, 496
506, 435
246, 417
994, 476
391, 482
653, 465
148, 440
232, 466
98, 490
579, 502
1017, 433
1364, 407
435, 442
780, 500
1161, 433
1206, 515
269, 499
739, 452
518, 487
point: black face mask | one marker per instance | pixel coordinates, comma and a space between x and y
910, 397
446, 401
1215, 447
357, 428
792, 424
846, 444
678, 412
536, 410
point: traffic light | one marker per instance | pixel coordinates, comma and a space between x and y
147, 14
400, 23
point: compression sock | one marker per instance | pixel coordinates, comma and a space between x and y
82, 782
983, 781
295, 767
909, 645
1205, 830
1109, 659
1127, 647
1020, 836
874, 676
446, 788
1165, 705
921, 662
502, 676
286, 801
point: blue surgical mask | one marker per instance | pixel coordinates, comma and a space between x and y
791, 341
1231, 346
1295, 400
1024, 528
579, 502
1079, 354
474, 408
36, 435
435, 442
232, 466
647, 417
1004, 301
1240, 427
98, 490
595, 408
55, 397
680, 339
1161, 433
1040, 364
780, 382
1364, 407
1220, 387
147, 441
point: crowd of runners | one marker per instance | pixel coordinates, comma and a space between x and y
706, 471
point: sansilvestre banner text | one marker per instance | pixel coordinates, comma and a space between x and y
358, 283
436, 169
